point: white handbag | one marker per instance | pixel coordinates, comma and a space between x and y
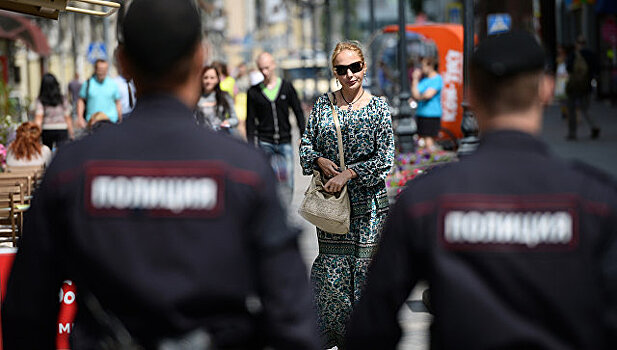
330, 212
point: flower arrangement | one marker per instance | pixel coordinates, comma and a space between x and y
8, 129
408, 166
3, 156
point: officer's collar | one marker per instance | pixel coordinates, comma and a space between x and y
162, 104
514, 140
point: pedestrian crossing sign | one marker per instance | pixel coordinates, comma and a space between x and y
498, 23
96, 50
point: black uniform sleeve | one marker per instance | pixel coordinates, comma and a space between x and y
296, 106
392, 276
30, 309
250, 118
283, 283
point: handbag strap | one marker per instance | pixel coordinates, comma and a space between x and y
339, 136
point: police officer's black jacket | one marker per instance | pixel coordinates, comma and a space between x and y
519, 249
267, 120
171, 228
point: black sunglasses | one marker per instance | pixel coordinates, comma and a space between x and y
354, 67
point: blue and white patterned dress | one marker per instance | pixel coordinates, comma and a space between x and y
339, 271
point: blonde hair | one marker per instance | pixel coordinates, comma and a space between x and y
350, 45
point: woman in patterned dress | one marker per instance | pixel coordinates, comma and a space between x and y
339, 270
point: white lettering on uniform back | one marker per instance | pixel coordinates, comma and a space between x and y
149, 193
494, 227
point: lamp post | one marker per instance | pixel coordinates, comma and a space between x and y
346, 12
406, 127
469, 125
373, 54
328, 38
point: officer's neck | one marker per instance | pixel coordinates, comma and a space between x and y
187, 94
529, 122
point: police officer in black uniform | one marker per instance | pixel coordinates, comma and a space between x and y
519, 247
169, 232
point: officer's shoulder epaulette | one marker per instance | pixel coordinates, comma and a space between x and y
596, 173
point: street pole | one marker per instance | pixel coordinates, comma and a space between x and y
346, 12
373, 70
469, 125
328, 43
406, 127
314, 46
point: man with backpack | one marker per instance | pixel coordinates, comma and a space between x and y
582, 67
99, 94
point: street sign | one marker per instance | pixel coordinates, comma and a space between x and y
498, 23
96, 50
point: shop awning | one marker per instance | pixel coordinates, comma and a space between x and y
17, 27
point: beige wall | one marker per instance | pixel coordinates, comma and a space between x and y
237, 28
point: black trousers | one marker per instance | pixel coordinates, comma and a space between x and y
55, 138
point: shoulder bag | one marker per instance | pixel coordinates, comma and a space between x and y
330, 212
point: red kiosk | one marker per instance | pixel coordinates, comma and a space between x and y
449, 41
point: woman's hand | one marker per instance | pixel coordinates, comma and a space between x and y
336, 183
328, 167
416, 75
225, 124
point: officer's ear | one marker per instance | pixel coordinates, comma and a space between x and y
199, 57
474, 102
124, 63
546, 89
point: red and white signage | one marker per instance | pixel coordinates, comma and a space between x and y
67, 295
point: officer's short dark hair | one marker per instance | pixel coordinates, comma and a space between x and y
159, 38
505, 72
505, 95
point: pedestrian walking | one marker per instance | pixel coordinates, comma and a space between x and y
215, 108
227, 82
518, 247
561, 80
267, 121
73, 93
53, 113
426, 90
99, 94
582, 67
243, 83
180, 244
338, 273
126, 90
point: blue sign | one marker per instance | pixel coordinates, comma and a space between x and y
96, 50
498, 23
